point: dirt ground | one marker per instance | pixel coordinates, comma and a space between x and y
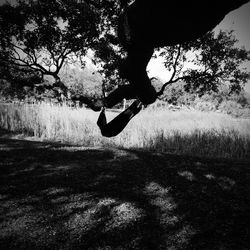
55, 196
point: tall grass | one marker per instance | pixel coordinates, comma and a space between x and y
184, 132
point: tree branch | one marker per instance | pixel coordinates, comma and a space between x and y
174, 73
168, 83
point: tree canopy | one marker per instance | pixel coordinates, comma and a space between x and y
217, 60
46, 34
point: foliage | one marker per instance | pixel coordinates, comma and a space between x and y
216, 61
108, 52
236, 104
108, 57
174, 60
17, 81
219, 63
46, 34
175, 94
86, 82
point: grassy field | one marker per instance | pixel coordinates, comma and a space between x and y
188, 132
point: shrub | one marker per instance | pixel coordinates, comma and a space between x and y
231, 107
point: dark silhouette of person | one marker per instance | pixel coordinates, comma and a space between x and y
144, 26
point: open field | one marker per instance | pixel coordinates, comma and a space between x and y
57, 196
183, 132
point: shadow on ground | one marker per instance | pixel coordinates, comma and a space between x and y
65, 197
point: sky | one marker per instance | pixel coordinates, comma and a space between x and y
238, 20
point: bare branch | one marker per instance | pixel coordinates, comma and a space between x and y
159, 93
29, 57
175, 63
18, 55
172, 80
59, 66
54, 59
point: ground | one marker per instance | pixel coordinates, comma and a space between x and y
55, 196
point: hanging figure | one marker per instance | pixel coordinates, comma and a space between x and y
144, 26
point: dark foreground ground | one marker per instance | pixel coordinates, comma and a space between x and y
64, 197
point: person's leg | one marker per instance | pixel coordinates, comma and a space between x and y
102, 121
122, 92
115, 126
134, 68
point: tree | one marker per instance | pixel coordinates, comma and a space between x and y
217, 61
44, 35
108, 52
83, 82
175, 58
15, 80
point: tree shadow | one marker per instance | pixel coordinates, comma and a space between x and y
56, 196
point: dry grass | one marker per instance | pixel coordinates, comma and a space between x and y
184, 132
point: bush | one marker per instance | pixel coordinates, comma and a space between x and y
204, 105
231, 107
